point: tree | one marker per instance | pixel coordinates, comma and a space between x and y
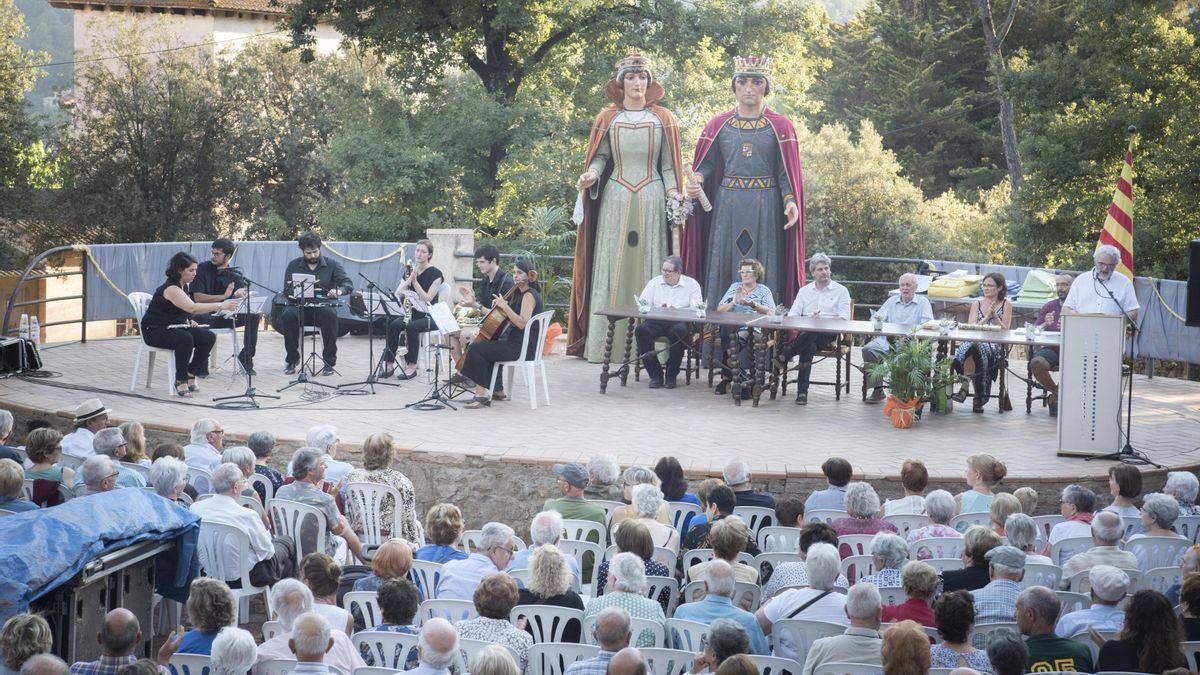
994, 37
18, 72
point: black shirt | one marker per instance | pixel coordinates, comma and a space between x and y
161, 312
752, 498
966, 579
329, 275
570, 599
211, 280
502, 284
426, 279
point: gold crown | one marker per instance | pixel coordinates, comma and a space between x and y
752, 65
634, 62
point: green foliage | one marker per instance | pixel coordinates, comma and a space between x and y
18, 72
906, 369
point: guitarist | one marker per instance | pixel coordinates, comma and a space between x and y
518, 308
495, 281
419, 289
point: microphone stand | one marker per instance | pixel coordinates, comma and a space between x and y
236, 402
436, 398
373, 376
302, 378
1127, 454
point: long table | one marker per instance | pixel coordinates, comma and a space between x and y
771, 326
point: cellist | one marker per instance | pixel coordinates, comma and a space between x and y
523, 302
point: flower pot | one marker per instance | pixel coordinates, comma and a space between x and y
903, 413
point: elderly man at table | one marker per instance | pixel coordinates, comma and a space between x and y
460, 577
545, 528
1108, 586
270, 559
291, 599
996, 602
824, 298
612, 633
670, 290
1107, 530
861, 643
110, 442
719, 588
1100, 291
90, 416
906, 308
1045, 359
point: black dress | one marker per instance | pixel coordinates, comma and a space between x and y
191, 345
421, 323
569, 599
481, 356
967, 579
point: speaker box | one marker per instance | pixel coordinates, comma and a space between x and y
18, 355
1193, 284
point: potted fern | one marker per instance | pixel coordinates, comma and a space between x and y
906, 370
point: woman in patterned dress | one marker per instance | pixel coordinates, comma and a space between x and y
993, 309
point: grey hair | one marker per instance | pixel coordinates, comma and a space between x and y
1107, 528
107, 440
545, 528
167, 474
727, 638
1108, 250
305, 460
604, 468
675, 262
824, 564
612, 627
1082, 498
233, 651
1044, 603
907, 275
819, 258
6, 423
495, 534
863, 601
289, 599
861, 500
718, 578
939, 504
1013, 573
321, 437
637, 474
736, 472
225, 477
261, 443
1007, 652
1021, 531
1182, 484
310, 632
647, 500
628, 572
890, 548
494, 659
45, 664
201, 429
432, 657
240, 455
98, 467
1163, 509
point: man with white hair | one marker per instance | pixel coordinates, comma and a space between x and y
603, 473
45, 664
169, 477
996, 602
6, 450
461, 577
1107, 530
906, 308
612, 633
99, 474
308, 465
861, 643
90, 416
545, 528
310, 640
290, 599
270, 559
324, 437
822, 298
233, 652
626, 578
1183, 486
204, 452
437, 647
1100, 291
111, 443
719, 588
1107, 586
737, 477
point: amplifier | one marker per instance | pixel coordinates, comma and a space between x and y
18, 355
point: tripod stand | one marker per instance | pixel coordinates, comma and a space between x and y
237, 402
306, 287
436, 399
373, 376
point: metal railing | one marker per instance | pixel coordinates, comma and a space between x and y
30, 275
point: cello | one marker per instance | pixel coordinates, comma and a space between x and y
491, 326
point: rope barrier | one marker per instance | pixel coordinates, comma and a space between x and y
1163, 301
86, 250
398, 251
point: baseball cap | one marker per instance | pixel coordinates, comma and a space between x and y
573, 473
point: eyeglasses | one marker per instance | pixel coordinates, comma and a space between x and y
745, 271
111, 475
667, 271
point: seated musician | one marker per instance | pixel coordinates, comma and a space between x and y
332, 283
907, 308
525, 301
217, 281
168, 323
673, 290
1045, 359
420, 288
749, 297
993, 309
824, 297
494, 281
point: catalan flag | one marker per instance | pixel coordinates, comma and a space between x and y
1118, 224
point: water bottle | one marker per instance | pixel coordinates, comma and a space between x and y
24, 330
35, 330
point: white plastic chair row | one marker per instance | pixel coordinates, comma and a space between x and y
553, 658
638, 627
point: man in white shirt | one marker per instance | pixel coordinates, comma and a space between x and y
271, 560
91, 416
289, 600
460, 577
906, 308
1100, 291
671, 290
204, 452
1108, 587
823, 298
324, 437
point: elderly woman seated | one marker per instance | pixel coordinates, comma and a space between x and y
379, 451
1022, 534
920, 582
1003, 506
940, 506
888, 553
862, 505
443, 531
210, 607
955, 614
169, 477
43, 447
818, 602
1159, 513
233, 652
12, 484
728, 539
632, 477
635, 538
626, 579
550, 584
495, 596
647, 501
905, 650
1183, 486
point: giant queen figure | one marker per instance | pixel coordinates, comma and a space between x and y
748, 161
633, 164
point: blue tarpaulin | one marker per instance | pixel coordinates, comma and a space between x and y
42, 549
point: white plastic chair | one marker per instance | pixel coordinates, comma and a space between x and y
666, 661
1159, 579
944, 564
1133, 525
270, 629
1072, 602
638, 628
71, 461
425, 574
251, 503
655, 587
139, 302
776, 665
385, 649
27, 490
747, 596
584, 553
755, 517
368, 603
856, 567
982, 631
680, 512
1047, 523
964, 520
547, 622
470, 541
609, 507
143, 471
938, 547
892, 595
214, 540
1081, 581
1062, 550
536, 328
855, 544
1154, 552
779, 539
791, 638
824, 515
304, 523
553, 658
274, 667
1085, 638
668, 557
1190, 650
698, 555
201, 479
190, 664
468, 649
583, 530
1188, 526
366, 502
907, 522
1041, 574
686, 635
450, 610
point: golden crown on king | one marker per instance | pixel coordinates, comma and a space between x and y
752, 65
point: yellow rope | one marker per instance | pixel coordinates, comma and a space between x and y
399, 251
1161, 299
83, 248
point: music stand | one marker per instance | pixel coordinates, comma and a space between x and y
307, 293
235, 402
371, 300
437, 398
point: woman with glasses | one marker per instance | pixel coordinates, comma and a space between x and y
993, 309
745, 296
